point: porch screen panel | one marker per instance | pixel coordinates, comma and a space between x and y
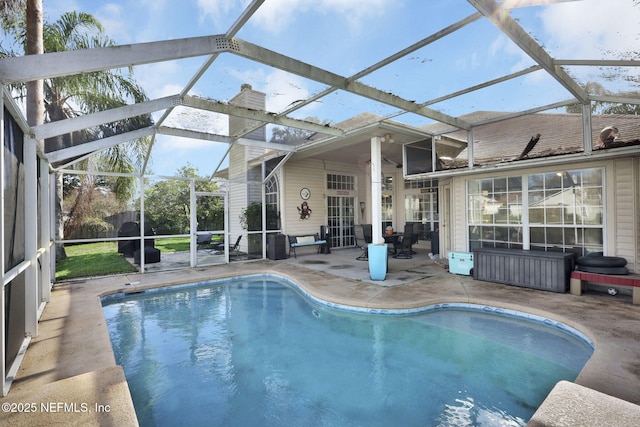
13, 193
14, 317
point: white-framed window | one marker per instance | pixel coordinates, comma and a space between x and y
341, 182
341, 212
566, 210
272, 199
387, 201
560, 210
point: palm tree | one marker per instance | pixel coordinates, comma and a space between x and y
71, 96
12, 18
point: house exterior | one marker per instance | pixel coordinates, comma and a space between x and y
532, 184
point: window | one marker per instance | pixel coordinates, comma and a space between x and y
387, 202
411, 184
422, 207
272, 203
341, 182
564, 209
495, 212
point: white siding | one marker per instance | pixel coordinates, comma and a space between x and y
622, 205
311, 174
458, 226
625, 210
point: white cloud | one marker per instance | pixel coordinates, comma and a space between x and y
216, 10
276, 15
283, 90
591, 28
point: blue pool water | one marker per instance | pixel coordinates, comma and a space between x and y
256, 352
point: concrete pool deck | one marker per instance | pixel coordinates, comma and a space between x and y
69, 375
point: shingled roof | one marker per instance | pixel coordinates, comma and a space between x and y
505, 141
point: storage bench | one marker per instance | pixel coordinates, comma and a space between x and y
544, 270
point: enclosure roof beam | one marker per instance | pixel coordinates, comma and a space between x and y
285, 63
493, 11
484, 85
616, 99
58, 64
194, 134
599, 62
62, 127
553, 106
97, 145
262, 116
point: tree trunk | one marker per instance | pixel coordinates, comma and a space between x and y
35, 46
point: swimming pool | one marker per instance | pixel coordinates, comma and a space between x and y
255, 351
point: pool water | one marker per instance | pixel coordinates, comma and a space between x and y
255, 352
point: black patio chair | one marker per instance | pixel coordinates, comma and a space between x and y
203, 241
363, 233
220, 246
416, 236
404, 246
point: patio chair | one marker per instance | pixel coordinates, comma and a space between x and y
220, 246
416, 236
404, 246
203, 241
363, 233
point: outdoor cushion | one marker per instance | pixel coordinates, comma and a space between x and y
306, 239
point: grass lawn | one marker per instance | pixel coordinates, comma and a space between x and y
99, 259
172, 244
92, 259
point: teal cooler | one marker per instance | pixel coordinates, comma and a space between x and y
461, 263
377, 261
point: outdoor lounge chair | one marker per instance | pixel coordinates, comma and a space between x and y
220, 246
404, 247
363, 233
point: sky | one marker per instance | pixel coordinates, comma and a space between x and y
347, 36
